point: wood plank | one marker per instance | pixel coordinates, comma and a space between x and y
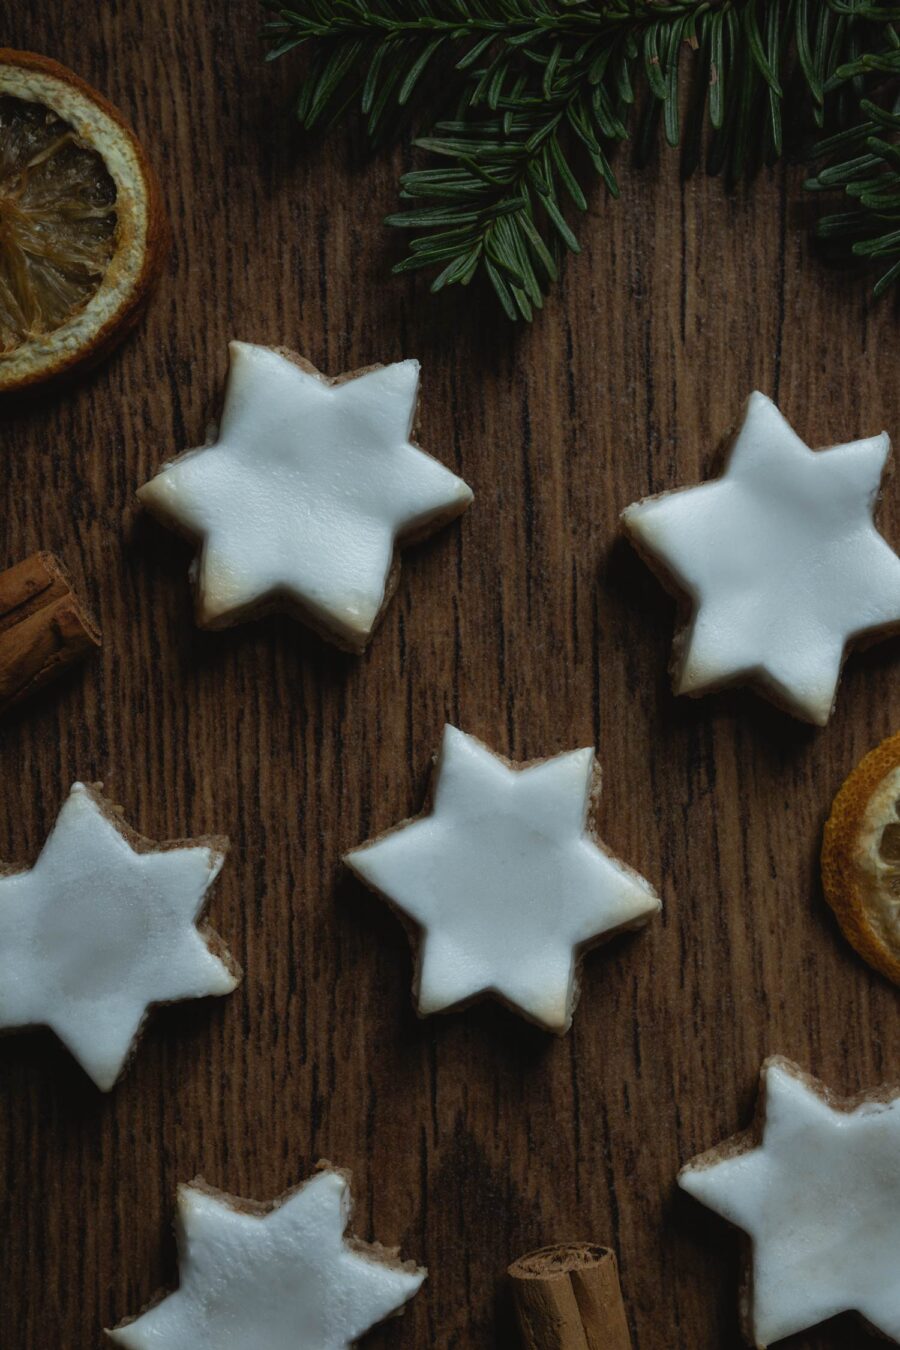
472, 1137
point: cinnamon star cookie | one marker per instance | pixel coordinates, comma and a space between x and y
272, 1277
102, 926
778, 563
504, 881
302, 500
816, 1187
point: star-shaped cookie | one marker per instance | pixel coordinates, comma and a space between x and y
778, 562
276, 1277
102, 926
303, 498
504, 881
816, 1187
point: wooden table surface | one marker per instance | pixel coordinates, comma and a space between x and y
471, 1137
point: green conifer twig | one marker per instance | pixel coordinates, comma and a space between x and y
533, 96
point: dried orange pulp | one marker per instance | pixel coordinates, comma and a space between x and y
861, 858
81, 224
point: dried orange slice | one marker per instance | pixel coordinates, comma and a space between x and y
861, 858
81, 224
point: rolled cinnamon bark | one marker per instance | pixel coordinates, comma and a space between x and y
568, 1298
44, 627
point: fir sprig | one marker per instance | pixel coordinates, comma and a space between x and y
534, 96
864, 161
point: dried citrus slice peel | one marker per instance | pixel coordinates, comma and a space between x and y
82, 230
861, 858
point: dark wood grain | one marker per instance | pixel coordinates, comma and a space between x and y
472, 1137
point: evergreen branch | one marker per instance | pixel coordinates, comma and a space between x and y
538, 93
865, 165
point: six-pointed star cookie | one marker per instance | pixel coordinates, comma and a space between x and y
282, 1277
780, 560
504, 880
819, 1196
304, 496
104, 924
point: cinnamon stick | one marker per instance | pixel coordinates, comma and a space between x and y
44, 627
568, 1298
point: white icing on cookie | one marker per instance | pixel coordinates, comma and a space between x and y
306, 492
820, 1198
781, 562
504, 880
96, 931
286, 1279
